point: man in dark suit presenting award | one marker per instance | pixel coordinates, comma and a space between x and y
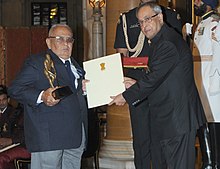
174, 104
50, 88
131, 42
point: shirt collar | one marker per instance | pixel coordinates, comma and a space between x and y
52, 53
208, 14
158, 35
65, 60
2, 111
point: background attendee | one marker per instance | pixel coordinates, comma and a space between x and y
55, 129
131, 42
207, 47
175, 108
11, 131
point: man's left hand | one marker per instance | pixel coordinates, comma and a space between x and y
5, 142
117, 100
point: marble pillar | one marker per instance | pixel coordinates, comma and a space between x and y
116, 150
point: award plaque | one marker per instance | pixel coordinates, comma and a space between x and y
50, 73
62, 92
135, 62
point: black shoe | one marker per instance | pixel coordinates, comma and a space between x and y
205, 146
209, 166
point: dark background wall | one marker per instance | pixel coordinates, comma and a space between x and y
17, 13
17, 34
184, 7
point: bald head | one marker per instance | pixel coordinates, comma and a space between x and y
58, 26
60, 41
143, 1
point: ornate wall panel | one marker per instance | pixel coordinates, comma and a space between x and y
17, 48
2, 56
16, 43
38, 39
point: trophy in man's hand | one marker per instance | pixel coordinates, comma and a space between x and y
50, 72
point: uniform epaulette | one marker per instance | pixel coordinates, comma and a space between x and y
122, 13
172, 9
119, 19
216, 17
125, 12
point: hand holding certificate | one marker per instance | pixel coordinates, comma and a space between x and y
105, 77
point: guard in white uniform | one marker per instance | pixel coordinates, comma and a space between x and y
206, 51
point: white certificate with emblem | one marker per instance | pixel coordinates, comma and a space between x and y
105, 75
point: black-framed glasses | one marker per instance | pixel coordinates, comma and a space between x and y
3, 99
62, 39
147, 20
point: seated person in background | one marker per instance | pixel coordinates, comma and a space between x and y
11, 131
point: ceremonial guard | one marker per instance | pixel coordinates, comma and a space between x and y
206, 51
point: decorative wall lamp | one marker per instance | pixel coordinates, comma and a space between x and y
97, 28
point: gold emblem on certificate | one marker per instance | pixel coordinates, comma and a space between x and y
102, 65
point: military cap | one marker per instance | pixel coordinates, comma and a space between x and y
212, 3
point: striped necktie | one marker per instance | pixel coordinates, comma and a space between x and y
70, 73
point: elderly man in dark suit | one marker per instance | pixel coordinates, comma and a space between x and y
175, 107
55, 120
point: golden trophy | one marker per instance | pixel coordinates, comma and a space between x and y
50, 72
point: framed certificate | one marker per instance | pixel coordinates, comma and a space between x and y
105, 75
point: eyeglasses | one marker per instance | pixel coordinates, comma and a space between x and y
3, 99
61, 39
147, 20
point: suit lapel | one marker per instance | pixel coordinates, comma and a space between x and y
80, 71
63, 78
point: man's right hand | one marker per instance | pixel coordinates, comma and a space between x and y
129, 82
123, 51
48, 98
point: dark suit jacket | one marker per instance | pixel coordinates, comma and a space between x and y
11, 125
49, 128
174, 103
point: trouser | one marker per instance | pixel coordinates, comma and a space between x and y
205, 146
209, 141
141, 135
214, 129
174, 153
59, 159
